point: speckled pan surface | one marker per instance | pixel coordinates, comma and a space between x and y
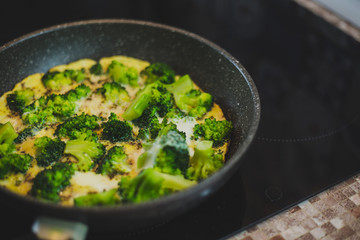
213, 69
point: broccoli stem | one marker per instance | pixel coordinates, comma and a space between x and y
98, 199
175, 182
138, 105
203, 150
183, 85
179, 90
7, 133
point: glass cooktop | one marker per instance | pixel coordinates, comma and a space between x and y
307, 73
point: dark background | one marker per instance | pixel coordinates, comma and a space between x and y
307, 73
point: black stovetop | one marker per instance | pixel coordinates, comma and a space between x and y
307, 73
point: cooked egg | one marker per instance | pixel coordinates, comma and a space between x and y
83, 183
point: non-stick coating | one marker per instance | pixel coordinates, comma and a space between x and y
213, 69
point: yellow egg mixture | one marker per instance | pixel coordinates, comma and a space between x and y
83, 183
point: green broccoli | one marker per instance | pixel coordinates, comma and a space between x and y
115, 130
87, 153
114, 162
25, 133
14, 163
151, 184
147, 118
48, 110
37, 113
122, 74
204, 162
61, 106
79, 125
183, 85
155, 96
149, 124
48, 150
7, 137
96, 69
193, 102
76, 75
167, 126
106, 198
115, 93
80, 92
56, 80
161, 99
159, 72
50, 182
17, 100
168, 153
213, 130
54, 108
154, 127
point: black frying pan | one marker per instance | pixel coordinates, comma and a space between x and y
212, 68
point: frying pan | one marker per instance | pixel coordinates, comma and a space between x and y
212, 68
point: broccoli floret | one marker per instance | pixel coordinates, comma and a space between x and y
144, 134
114, 92
149, 124
159, 72
48, 150
17, 100
147, 118
106, 198
169, 126
173, 158
175, 113
37, 113
50, 182
213, 130
195, 103
151, 127
151, 184
168, 153
191, 101
161, 99
56, 80
122, 74
80, 92
155, 96
61, 107
87, 153
96, 69
114, 162
77, 126
25, 133
76, 75
14, 163
53, 108
204, 162
115, 130
7, 137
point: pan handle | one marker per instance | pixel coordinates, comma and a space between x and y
55, 229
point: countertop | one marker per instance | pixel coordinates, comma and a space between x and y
331, 214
